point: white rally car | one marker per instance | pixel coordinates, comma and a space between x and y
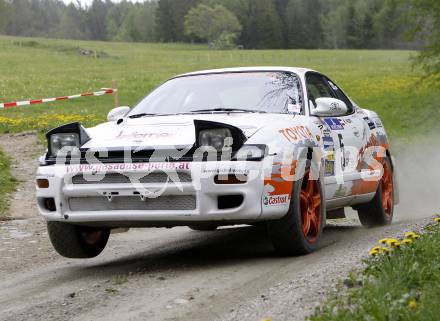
275, 145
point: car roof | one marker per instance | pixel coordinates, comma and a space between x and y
296, 70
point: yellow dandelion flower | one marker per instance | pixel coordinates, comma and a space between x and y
385, 250
412, 304
437, 219
412, 235
407, 241
375, 250
392, 242
395, 244
383, 241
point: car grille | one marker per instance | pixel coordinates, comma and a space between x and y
132, 203
118, 178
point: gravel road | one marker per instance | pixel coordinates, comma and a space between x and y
160, 274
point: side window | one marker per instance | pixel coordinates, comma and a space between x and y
341, 96
318, 87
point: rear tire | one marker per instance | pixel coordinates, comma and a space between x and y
379, 211
299, 232
77, 242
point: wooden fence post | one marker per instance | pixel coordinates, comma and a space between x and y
116, 93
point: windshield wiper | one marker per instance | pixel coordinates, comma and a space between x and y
142, 115
227, 110
212, 110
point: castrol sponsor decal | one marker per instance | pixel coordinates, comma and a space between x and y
276, 200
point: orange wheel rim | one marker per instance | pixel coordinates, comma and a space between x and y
310, 205
387, 189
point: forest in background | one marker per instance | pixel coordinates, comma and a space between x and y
306, 24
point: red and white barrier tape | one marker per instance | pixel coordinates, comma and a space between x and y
104, 91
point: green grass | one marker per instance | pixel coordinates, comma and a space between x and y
403, 286
38, 68
7, 183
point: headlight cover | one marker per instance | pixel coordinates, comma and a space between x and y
216, 138
218, 135
70, 135
61, 140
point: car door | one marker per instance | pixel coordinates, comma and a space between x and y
342, 137
352, 137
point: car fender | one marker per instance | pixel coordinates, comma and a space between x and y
377, 128
291, 142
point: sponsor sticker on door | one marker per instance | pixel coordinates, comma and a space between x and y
276, 200
334, 123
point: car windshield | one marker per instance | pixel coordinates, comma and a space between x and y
271, 92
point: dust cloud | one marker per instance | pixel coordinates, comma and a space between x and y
418, 174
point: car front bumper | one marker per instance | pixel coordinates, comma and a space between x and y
118, 202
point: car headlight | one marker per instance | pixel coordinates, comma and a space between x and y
216, 138
59, 141
251, 152
67, 138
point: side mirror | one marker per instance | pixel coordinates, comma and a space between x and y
329, 107
118, 113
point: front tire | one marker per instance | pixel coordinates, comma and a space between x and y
299, 232
77, 242
379, 211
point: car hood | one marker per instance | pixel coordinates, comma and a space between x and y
161, 131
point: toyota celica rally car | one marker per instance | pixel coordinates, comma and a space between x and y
280, 147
